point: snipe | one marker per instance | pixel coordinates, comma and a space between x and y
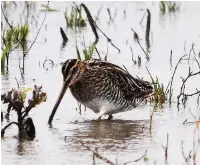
102, 86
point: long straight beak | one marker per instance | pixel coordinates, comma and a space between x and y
62, 92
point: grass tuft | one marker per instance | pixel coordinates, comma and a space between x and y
74, 19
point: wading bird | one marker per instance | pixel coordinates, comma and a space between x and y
102, 86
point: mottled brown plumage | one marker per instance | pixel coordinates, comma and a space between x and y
102, 86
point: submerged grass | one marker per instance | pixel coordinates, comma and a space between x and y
86, 53
159, 91
169, 6
74, 19
13, 38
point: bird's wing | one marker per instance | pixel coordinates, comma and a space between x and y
130, 87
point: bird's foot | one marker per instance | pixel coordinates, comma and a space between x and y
99, 118
110, 117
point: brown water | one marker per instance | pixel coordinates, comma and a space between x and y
127, 136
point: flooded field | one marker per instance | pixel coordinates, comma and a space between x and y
128, 135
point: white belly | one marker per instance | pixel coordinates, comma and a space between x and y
104, 106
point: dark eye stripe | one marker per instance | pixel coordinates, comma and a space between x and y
67, 66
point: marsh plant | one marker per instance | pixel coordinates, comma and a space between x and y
169, 6
74, 18
13, 38
159, 91
17, 100
86, 53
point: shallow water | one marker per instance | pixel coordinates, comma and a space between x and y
127, 136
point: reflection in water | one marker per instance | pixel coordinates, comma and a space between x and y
20, 148
115, 134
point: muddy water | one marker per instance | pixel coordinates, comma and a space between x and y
127, 136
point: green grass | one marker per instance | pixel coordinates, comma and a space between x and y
159, 91
13, 38
48, 9
74, 18
86, 53
169, 6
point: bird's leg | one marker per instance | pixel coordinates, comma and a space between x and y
102, 112
110, 117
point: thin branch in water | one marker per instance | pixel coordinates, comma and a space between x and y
97, 154
6, 18
142, 18
189, 155
171, 81
171, 57
134, 61
94, 26
97, 52
39, 29
17, 82
143, 156
166, 148
137, 39
64, 36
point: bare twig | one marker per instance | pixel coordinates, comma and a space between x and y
166, 148
137, 39
97, 52
189, 155
97, 154
6, 18
64, 37
142, 18
94, 26
137, 159
17, 82
182, 91
171, 81
39, 29
171, 57
3, 130
134, 61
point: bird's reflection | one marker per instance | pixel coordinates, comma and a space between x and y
109, 134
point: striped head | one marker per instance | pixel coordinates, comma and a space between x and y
72, 69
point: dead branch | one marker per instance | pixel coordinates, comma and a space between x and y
64, 37
144, 155
6, 18
3, 129
94, 26
97, 154
171, 81
97, 52
98, 13
137, 39
182, 91
38, 30
91, 22
134, 61
189, 155
166, 148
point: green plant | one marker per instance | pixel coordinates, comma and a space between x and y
87, 52
48, 9
169, 5
74, 19
159, 91
13, 38
16, 101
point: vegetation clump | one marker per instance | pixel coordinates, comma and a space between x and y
16, 100
74, 19
13, 38
169, 5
